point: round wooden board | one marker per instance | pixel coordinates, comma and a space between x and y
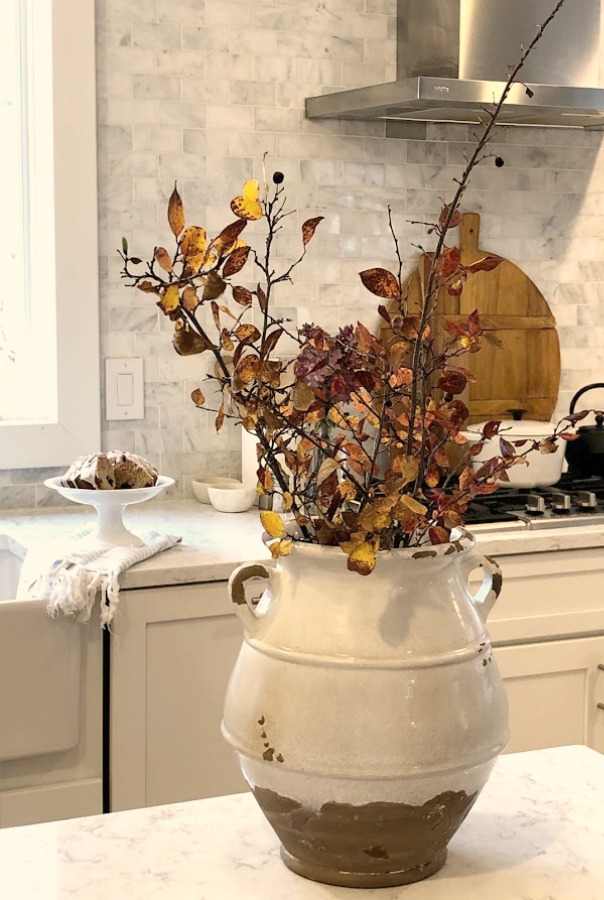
525, 373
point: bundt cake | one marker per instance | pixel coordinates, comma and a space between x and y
114, 470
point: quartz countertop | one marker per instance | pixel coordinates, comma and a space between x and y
535, 833
213, 543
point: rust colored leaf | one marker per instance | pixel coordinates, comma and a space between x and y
197, 397
190, 300
490, 429
455, 289
219, 421
272, 339
455, 218
213, 287
225, 340
169, 299
309, 228
438, 535
242, 296
247, 368
262, 301
449, 262
163, 259
402, 376
568, 435
176, 214
247, 205
236, 261
147, 287
384, 314
215, 315
187, 342
247, 332
381, 282
432, 476
452, 382
485, 264
193, 247
273, 524
227, 238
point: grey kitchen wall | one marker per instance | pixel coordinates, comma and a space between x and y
198, 90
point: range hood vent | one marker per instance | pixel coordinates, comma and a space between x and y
452, 58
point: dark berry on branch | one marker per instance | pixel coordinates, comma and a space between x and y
499, 162
278, 177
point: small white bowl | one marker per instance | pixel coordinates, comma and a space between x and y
232, 498
200, 488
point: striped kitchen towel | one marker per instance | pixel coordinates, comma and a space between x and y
70, 577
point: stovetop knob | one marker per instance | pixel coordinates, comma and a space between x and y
561, 503
535, 505
586, 500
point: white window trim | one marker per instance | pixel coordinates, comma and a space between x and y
77, 428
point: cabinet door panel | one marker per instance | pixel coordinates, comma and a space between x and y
173, 650
188, 667
553, 691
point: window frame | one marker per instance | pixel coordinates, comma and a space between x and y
76, 426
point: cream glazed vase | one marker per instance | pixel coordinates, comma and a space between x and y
367, 712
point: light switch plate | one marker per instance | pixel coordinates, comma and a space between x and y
124, 388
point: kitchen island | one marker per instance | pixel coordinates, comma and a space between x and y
535, 833
175, 639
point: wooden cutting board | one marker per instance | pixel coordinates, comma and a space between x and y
525, 373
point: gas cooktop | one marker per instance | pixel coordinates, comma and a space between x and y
570, 502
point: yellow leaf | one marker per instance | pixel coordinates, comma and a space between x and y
176, 215
193, 247
247, 205
163, 259
362, 558
169, 300
288, 501
414, 505
281, 548
272, 523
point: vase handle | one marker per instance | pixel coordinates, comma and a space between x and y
236, 588
492, 580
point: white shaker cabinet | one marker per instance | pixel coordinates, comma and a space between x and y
554, 689
173, 649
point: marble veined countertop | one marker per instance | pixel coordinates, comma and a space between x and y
214, 543
535, 833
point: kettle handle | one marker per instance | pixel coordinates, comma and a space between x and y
589, 387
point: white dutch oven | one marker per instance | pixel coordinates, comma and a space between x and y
540, 469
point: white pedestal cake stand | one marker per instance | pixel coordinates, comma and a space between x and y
110, 505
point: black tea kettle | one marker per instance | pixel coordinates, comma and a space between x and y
585, 455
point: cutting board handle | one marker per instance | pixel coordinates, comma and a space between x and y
469, 233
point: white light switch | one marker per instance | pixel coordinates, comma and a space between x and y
124, 387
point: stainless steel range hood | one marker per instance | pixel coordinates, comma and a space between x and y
452, 59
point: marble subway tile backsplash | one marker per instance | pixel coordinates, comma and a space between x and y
199, 90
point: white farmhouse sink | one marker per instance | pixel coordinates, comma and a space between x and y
39, 671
